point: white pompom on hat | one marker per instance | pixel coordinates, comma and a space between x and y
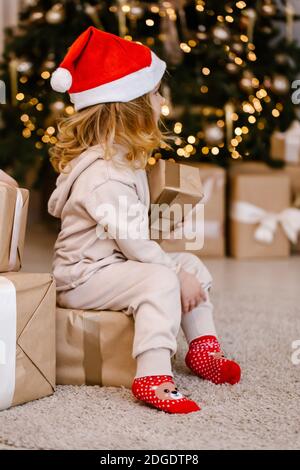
101, 67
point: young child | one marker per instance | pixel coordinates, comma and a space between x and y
101, 155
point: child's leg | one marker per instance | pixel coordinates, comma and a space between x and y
199, 321
151, 293
204, 356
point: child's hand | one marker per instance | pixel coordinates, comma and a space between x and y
192, 293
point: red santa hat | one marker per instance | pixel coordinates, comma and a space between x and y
101, 67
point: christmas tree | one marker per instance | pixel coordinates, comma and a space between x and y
230, 63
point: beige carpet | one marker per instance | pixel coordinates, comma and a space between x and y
258, 316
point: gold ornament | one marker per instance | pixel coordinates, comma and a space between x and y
49, 65
24, 66
29, 3
56, 14
136, 12
201, 35
266, 30
232, 68
246, 82
268, 8
36, 16
281, 59
280, 85
213, 134
221, 33
237, 47
57, 107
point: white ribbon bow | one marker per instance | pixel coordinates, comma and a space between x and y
268, 221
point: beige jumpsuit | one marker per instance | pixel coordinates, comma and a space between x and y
124, 274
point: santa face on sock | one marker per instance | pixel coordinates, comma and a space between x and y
167, 391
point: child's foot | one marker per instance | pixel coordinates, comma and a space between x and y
161, 392
206, 360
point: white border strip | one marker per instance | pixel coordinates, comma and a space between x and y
8, 339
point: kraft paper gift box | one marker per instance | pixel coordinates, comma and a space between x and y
292, 171
262, 223
27, 337
94, 348
176, 185
286, 145
213, 186
13, 217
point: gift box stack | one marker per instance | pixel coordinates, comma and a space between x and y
27, 309
253, 213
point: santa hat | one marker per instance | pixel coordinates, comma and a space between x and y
101, 67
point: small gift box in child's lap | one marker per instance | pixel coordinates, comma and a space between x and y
262, 221
178, 187
13, 218
27, 337
213, 187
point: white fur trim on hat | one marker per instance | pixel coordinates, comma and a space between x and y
61, 80
124, 89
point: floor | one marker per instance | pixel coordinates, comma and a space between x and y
257, 312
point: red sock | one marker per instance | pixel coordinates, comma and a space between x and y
161, 392
206, 360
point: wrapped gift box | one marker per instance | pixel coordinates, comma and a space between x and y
13, 216
259, 203
213, 186
286, 145
27, 337
176, 185
292, 171
94, 348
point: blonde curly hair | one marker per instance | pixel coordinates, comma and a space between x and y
131, 124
